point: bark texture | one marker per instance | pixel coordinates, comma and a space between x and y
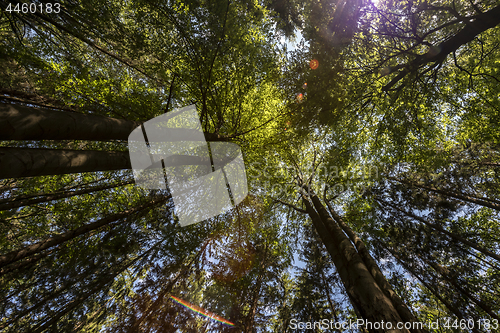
375, 271
19, 122
26, 162
373, 305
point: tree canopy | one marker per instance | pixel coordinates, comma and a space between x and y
369, 131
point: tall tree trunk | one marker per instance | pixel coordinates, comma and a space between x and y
27, 262
377, 274
30, 162
15, 203
96, 287
53, 294
19, 122
373, 305
27, 162
29, 250
328, 241
441, 229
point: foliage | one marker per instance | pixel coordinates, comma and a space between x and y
396, 129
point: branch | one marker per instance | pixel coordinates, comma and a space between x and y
480, 24
291, 206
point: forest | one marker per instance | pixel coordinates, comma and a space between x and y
370, 135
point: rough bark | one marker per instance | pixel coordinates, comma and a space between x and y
27, 162
369, 299
19, 122
377, 274
329, 242
29, 250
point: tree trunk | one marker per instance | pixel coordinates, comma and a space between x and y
26, 162
29, 250
15, 203
96, 287
362, 288
377, 274
329, 242
31, 162
27, 262
53, 294
474, 26
19, 122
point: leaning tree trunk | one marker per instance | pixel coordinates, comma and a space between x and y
29, 162
373, 305
450, 306
474, 25
104, 280
444, 273
19, 122
371, 264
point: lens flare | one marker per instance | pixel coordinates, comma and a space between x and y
304, 86
300, 97
202, 312
314, 64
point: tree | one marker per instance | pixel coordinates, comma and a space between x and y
382, 177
